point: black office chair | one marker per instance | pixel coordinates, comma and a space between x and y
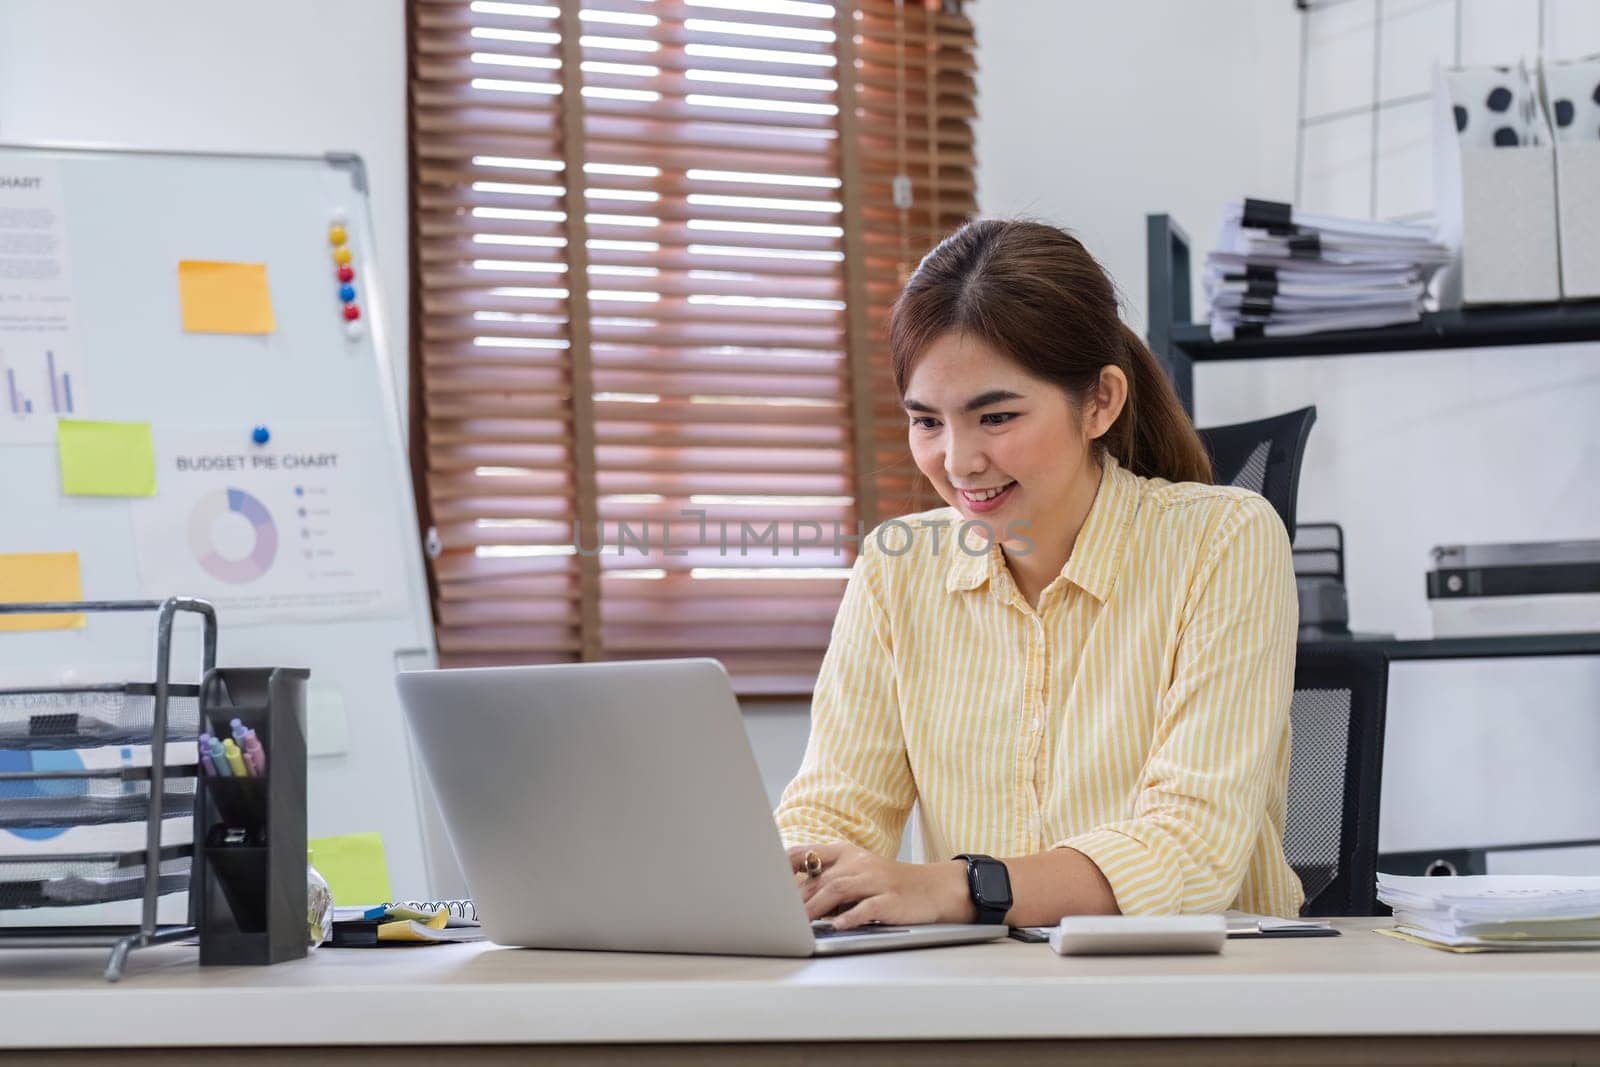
1335, 770
1263, 456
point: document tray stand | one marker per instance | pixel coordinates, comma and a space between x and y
45, 786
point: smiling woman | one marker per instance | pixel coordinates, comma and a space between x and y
1100, 693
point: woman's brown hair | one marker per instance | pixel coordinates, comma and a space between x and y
1035, 293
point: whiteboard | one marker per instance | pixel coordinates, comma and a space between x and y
127, 218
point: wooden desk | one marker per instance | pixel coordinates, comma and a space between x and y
1359, 998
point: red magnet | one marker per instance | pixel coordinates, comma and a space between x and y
351, 313
347, 273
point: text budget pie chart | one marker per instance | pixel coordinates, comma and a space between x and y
220, 530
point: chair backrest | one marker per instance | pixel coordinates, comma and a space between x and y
1263, 456
1335, 773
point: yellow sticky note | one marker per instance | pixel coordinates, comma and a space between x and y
106, 458
354, 867
36, 578
219, 297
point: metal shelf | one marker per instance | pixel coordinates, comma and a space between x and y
1476, 328
1179, 343
1579, 644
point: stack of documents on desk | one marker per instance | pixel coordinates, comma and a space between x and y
1278, 272
1495, 913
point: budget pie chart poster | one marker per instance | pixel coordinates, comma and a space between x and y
270, 533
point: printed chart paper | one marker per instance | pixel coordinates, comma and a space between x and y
286, 531
41, 371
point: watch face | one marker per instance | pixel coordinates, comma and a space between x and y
994, 885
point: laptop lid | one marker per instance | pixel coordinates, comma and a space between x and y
607, 806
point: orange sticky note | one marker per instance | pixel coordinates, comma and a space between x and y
36, 578
222, 297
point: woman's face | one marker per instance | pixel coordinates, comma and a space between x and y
1000, 445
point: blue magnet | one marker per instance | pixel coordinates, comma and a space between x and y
347, 293
260, 435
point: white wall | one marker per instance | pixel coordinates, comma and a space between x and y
292, 76
1091, 114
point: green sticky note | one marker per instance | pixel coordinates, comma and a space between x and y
353, 866
106, 458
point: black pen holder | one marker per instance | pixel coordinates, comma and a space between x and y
250, 832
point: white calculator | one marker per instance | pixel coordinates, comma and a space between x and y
1126, 935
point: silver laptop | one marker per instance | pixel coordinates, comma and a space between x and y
618, 806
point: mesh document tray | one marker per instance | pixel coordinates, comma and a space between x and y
37, 801
93, 716
61, 769
88, 878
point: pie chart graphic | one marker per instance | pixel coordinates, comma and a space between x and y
203, 528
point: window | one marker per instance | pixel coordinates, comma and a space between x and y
654, 245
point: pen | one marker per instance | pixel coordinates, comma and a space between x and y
205, 755
219, 759
255, 756
235, 759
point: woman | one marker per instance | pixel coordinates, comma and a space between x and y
1099, 695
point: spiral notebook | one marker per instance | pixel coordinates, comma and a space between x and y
458, 909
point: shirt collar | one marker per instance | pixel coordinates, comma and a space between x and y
1096, 555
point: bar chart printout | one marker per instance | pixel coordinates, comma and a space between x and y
37, 383
41, 367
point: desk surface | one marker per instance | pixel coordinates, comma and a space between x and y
1361, 983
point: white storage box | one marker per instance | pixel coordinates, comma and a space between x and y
1571, 98
1578, 218
1495, 184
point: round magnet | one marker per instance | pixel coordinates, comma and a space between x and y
341, 254
338, 217
346, 272
347, 293
351, 313
354, 330
260, 435
336, 235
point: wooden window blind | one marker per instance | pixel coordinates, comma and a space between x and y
654, 244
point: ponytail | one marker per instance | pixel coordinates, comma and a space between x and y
1153, 436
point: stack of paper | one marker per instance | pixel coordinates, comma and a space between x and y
1278, 272
1502, 913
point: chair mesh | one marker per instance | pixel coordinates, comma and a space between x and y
1253, 475
1319, 745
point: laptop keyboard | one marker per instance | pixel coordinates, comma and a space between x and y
822, 928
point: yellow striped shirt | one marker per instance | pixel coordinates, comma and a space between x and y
1140, 715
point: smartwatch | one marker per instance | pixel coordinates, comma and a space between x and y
989, 884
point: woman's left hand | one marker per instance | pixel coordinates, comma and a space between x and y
864, 887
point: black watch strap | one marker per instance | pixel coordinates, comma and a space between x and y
989, 886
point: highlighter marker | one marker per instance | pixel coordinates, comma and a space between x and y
255, 757
220, 759
205, 755
239, 731
235, 759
